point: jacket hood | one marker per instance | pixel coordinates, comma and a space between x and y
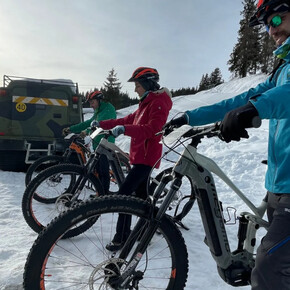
162, 93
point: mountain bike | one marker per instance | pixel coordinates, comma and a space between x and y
77, 147
61, 186
64, 185
154, 255
77, 153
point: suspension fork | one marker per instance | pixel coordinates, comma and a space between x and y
83, 178
150, 230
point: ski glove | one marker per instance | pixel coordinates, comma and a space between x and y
65, 131
233, 126
174, 123
118, 130
83, 134
95, 123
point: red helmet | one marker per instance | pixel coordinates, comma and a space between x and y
267, 7
144, 73
95, 95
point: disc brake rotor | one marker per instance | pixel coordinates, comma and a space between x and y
103, 272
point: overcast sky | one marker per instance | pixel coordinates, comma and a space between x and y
83, 40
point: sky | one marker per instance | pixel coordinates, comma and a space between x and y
84, 40
241, 162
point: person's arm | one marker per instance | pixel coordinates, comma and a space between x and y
81, 126
274, 104
109, 124
216, 112
158, 113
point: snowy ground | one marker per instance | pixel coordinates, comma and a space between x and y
241, 161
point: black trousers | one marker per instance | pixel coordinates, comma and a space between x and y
272, 267
102, 168
135, 183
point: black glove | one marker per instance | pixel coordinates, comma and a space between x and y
234, 123
174, 123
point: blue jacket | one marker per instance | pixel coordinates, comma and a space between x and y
272, 101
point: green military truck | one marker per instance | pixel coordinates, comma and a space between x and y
33, 113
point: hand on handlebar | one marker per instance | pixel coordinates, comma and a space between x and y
65, 131
83, 134
118, 130
95, 123
174, 123
233, 126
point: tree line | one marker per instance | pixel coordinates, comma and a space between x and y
208, 81
112, 93
253, 53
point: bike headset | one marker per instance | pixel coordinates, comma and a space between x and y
95, 95
267, 7
147, 77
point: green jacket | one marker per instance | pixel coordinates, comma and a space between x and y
105, 111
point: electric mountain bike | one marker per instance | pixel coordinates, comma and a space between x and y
64, 185
154, 255
78, 152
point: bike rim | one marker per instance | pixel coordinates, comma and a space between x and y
79, 263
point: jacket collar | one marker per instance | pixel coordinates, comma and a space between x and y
100, 108
283, 51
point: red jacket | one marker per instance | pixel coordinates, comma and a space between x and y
143, 124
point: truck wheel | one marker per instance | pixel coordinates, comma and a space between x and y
13, 161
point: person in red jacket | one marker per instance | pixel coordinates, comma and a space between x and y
145, 148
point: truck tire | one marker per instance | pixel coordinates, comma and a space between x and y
13, 161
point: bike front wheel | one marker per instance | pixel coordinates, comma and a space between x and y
84, 263
56, 184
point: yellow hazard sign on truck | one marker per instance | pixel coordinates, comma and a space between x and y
39, 101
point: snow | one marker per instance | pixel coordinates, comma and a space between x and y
241, 161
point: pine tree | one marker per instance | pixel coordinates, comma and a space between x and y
112, 88
112, 81
215, 78
112, 92
245, 56
204, 83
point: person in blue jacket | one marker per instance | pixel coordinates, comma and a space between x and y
269, 100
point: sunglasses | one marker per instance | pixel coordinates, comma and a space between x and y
275, 21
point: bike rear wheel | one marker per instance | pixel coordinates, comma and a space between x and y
41, 164
56, 183
84, 262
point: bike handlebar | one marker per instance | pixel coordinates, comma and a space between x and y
196, 133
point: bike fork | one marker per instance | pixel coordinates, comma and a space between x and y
82, 179
148, 234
